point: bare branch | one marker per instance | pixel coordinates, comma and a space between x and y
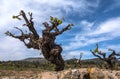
22, 33
96, 55
22, 13
102, 53
68, 27
29, 24
8, 33
113, 53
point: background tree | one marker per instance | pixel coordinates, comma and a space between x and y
107, 59
78, 61
50, 50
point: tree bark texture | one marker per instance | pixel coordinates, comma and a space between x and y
50, 50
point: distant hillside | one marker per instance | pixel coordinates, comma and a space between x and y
38, 59
35, 59
95, 61
86, 60
41, 63
42, 60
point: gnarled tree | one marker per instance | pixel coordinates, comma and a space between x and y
108, 59
50, 50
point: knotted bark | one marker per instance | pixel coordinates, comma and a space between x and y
50, 50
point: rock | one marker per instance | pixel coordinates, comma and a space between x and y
83, 73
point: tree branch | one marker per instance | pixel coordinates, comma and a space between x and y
20, 37
113, 53
22, 33
68, 27
29, 24
96, 55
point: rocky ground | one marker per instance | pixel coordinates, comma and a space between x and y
83, 73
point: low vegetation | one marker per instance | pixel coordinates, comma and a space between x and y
44, 65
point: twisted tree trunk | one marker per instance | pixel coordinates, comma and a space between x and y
50, 50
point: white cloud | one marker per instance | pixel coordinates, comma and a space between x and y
11, 49
87, 54
108, 30
41, 9
115, 47
76, 54
109, 26
86, 25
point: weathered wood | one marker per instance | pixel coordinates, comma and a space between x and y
50, 50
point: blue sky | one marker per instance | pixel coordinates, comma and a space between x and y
95, 21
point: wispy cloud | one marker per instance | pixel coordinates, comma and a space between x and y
115, 47
107, 30
42, 9
86, 25
76, 54
115, 4
111, 26
13, 49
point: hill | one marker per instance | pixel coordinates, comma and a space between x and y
35, 59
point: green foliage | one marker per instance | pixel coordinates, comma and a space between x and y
55, 19
25, 65
16, 17
96, 50
13, 17
59, 21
